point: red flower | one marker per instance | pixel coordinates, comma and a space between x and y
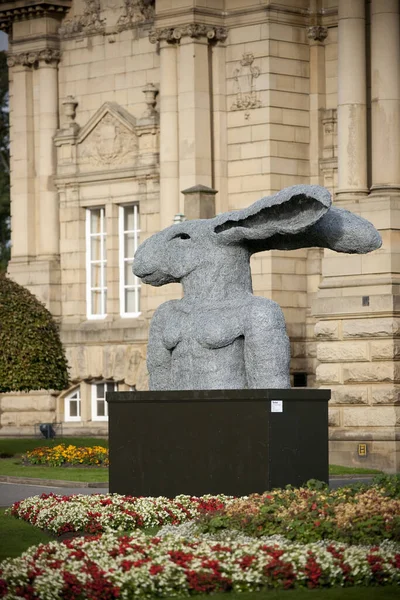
3, 588
181, 558
220, 548
280, 571
156, 569
313, 571
72, 587
207, 582
246, 561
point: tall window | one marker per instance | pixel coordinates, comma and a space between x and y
99, 404
96, 263
72, 406
128, 243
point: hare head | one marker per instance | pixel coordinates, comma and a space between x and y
300, 216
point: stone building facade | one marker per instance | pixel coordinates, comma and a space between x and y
119, 106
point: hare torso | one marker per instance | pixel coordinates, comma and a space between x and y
206, 346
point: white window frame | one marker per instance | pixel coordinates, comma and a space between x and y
95, 416
128, 259
102, 261
67, 405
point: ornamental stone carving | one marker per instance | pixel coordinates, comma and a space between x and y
89, 23
109, 144
99, 14
245, 76
109, 139
29, 59
135, 11
317, 33
192, 30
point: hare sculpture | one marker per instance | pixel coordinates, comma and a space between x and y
219, 335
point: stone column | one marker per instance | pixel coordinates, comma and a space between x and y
169, 151
22, 160
316, 35
385, 93
49, 225
352, 95
219, 135
195, 153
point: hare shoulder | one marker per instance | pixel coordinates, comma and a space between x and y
266, 345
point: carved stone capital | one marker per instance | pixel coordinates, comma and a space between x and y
29, 59
317, 33
192, 30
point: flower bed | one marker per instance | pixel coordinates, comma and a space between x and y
99, 513
139, 567
63, 455
367, 516
207, 544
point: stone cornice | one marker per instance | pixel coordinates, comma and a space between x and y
19, 10
29, 59
192, 30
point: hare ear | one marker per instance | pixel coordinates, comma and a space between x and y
338, 230
287, 213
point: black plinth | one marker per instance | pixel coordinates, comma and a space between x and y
216, 441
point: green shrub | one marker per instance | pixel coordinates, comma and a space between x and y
31, 354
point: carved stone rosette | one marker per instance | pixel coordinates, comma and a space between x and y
317, 33
29, 59
192, 30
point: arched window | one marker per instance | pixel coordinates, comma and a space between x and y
72, 405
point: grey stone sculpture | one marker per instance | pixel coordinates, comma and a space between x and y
220, 336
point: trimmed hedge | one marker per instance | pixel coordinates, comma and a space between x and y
31, 353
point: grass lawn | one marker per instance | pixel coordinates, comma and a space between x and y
20, 536
13, 467
338, 470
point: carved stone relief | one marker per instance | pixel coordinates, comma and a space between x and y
101, 14
110, 143
89, 22
135, 11
244, 84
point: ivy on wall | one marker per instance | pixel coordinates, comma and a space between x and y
31, 353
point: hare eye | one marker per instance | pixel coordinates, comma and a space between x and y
182, 236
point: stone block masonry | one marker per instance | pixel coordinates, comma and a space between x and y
359, 361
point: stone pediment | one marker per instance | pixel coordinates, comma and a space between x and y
108, 140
